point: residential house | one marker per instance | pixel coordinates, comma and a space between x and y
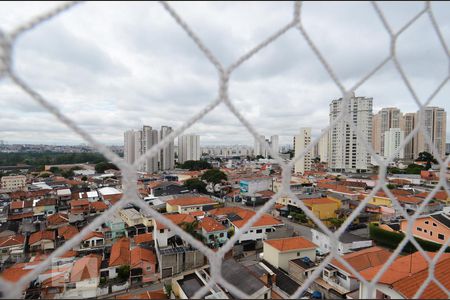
57, 220
278, 252
115, 228
186, 285
78, 207
97, 207
347, 242
92, 240
434, 228
245, 280
44, 207
162, 233
11, 248
145, 239
65, 233
134, 221
323, 208
143, 265
237, 217
189, 204
120, 256
91, 196
214, 233
341, 279
176, 259
42, 241
84, 278
405, 275
441, 196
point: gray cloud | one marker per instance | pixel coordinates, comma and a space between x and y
115, 66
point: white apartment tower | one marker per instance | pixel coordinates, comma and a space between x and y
274, 143
435, 124
188, 148
128, 146
323, 148
301, 141
167, 156
346, 152
149, 138
408, 124
392, 140
385, 119
259, 149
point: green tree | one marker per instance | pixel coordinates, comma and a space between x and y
215, 176
68, 174
195, 184
103, 166
84, 178
391, 186
336, 222
55, 170
196, 165
426, 156
123, 272
259, 157
191, 228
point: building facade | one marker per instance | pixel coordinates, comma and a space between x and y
301, 142
347, 152
167, 156
385, 119
188, 147
392, 140
434, 121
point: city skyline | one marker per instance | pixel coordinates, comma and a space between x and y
100, 81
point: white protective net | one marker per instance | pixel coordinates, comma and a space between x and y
7, 43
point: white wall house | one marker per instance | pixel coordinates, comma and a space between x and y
347, 242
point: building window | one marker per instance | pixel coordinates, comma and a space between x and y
425, 230
259, 231
426, 222
298, 253
440, 236
161, 231
221, 234
434, 224
268, 230
149, 269
419, 229
431, 233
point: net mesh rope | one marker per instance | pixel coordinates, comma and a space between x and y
129, 174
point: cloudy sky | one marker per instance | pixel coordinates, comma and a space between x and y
116, 66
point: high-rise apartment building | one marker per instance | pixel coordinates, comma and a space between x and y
128, 146
408, 124
385, 119
149, 138
188, 148
301, 141
259, 149
274, 143
392, 140
323, 148
137, 142
434, 122
346, 152
167, 155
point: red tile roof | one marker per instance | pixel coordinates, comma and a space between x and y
57, 219
93, 234
15, 272
41, 235
113, 199
189, 201
291, 244
68, 232
363, 259
81, 202
245, 214
266, 193
176, 218
46, 202
407, 273
317, 201
86, 268
120, 253
98, 206
20, 216
140, 254
210, 225
12, 240
143, 238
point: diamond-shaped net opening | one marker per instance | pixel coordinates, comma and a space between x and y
431, 277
